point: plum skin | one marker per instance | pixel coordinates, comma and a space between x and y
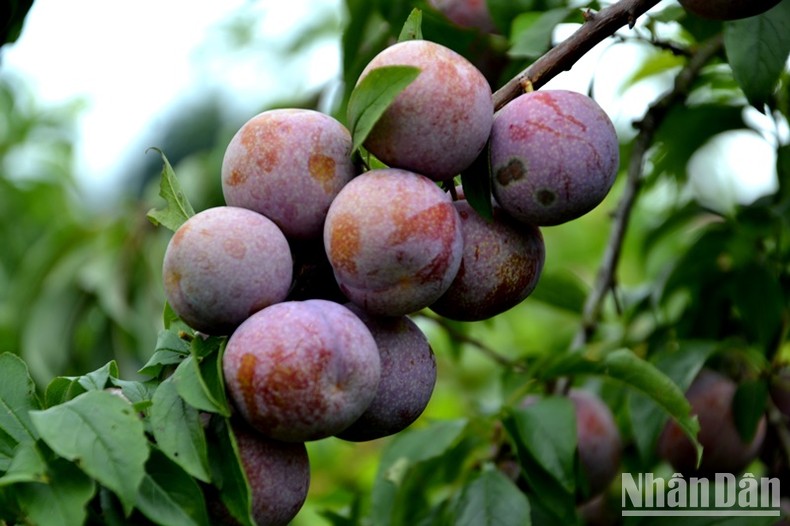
408, 377
394, 241
222, 265
288, 164
466, 13
554, 156
440, 123
302, 370
710, 396
502, 262
727, 9
278, 474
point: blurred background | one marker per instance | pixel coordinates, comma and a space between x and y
89, 87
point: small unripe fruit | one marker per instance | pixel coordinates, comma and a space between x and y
501, 266
302, 370
408, 376
394, 241
554, 156
440, 123
224, 264
727, 9
710, 396
288, 164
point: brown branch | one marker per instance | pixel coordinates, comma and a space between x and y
653, 118
597, 27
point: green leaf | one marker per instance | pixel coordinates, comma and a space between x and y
28, 465
178, 432
407, 450
98, 379
373, 95
547, 431
227, 471
561, 289
63, 500
193, 388
171, 349
748, 407
476, 183
681, 366
491, 499
17, 398
168, 495
757, 295
103, 435
639, 374
503, 12
177, 208
62, 389
531, 33
757, 49
412, 29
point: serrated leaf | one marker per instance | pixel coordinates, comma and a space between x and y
178, 432
193, 389
757, 49
177, 207
491, 499
227, 471
748, 407
547, 431
412, 29
641, 375
27, 465
168, 495
61, 501
17, 398
373, 95
103, 435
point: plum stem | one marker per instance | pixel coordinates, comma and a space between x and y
564, 55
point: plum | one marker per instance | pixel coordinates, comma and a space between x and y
727, 9
278, 474
466, 13
408, 376
554, 156
394, 241
439, 124
710, 396
302, 370
224, 264
288, 164
501, 265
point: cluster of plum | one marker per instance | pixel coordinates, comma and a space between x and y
313, 268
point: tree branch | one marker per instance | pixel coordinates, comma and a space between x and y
648, 126
597, 27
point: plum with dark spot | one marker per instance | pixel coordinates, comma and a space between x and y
278, 474
288, 164
554, 156
394, 241
408, 376
222, 265
440, 123
727, 9
501, 265
302, 370
466, 13
710, 396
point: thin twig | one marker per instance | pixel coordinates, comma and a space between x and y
648, 126
462, 337
597, 27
